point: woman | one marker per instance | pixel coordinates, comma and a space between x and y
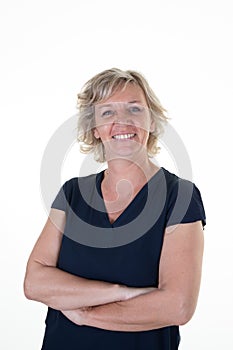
118, 262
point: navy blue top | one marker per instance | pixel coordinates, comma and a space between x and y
125, 252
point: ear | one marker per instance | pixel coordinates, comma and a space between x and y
96, 133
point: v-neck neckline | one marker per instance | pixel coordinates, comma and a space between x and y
99, 179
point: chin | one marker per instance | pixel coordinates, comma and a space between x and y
130, 153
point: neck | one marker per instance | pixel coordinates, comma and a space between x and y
136, 173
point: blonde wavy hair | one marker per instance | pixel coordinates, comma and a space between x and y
101, 87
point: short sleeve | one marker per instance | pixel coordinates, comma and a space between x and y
60, 201
185, 204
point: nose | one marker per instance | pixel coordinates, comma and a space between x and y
122, 116
122, 120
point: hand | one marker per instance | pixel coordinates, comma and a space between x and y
76, 316
132, 292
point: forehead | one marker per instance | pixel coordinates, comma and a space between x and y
129, 93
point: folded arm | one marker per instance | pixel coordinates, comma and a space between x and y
45, 283
173, 303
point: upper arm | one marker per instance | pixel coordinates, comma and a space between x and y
47, 247
181, 263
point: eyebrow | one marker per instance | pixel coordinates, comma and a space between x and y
99, 106
135, 101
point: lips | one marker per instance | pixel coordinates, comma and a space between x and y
123, 136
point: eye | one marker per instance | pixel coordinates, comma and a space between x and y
135, 109
107, 113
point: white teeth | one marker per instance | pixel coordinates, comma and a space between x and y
124, 136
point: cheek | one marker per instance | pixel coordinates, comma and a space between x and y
102, 123
102, 131
144, 126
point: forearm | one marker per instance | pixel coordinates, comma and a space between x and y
174, 302
63, 291
150, 311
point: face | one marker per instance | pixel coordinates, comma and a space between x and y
123, 123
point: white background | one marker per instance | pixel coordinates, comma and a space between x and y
49, 49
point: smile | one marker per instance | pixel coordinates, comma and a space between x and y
123, 136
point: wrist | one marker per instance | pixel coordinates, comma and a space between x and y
86, 316
124, 293
77, 316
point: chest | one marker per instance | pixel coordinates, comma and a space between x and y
137, 230
116, 202
133, 264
